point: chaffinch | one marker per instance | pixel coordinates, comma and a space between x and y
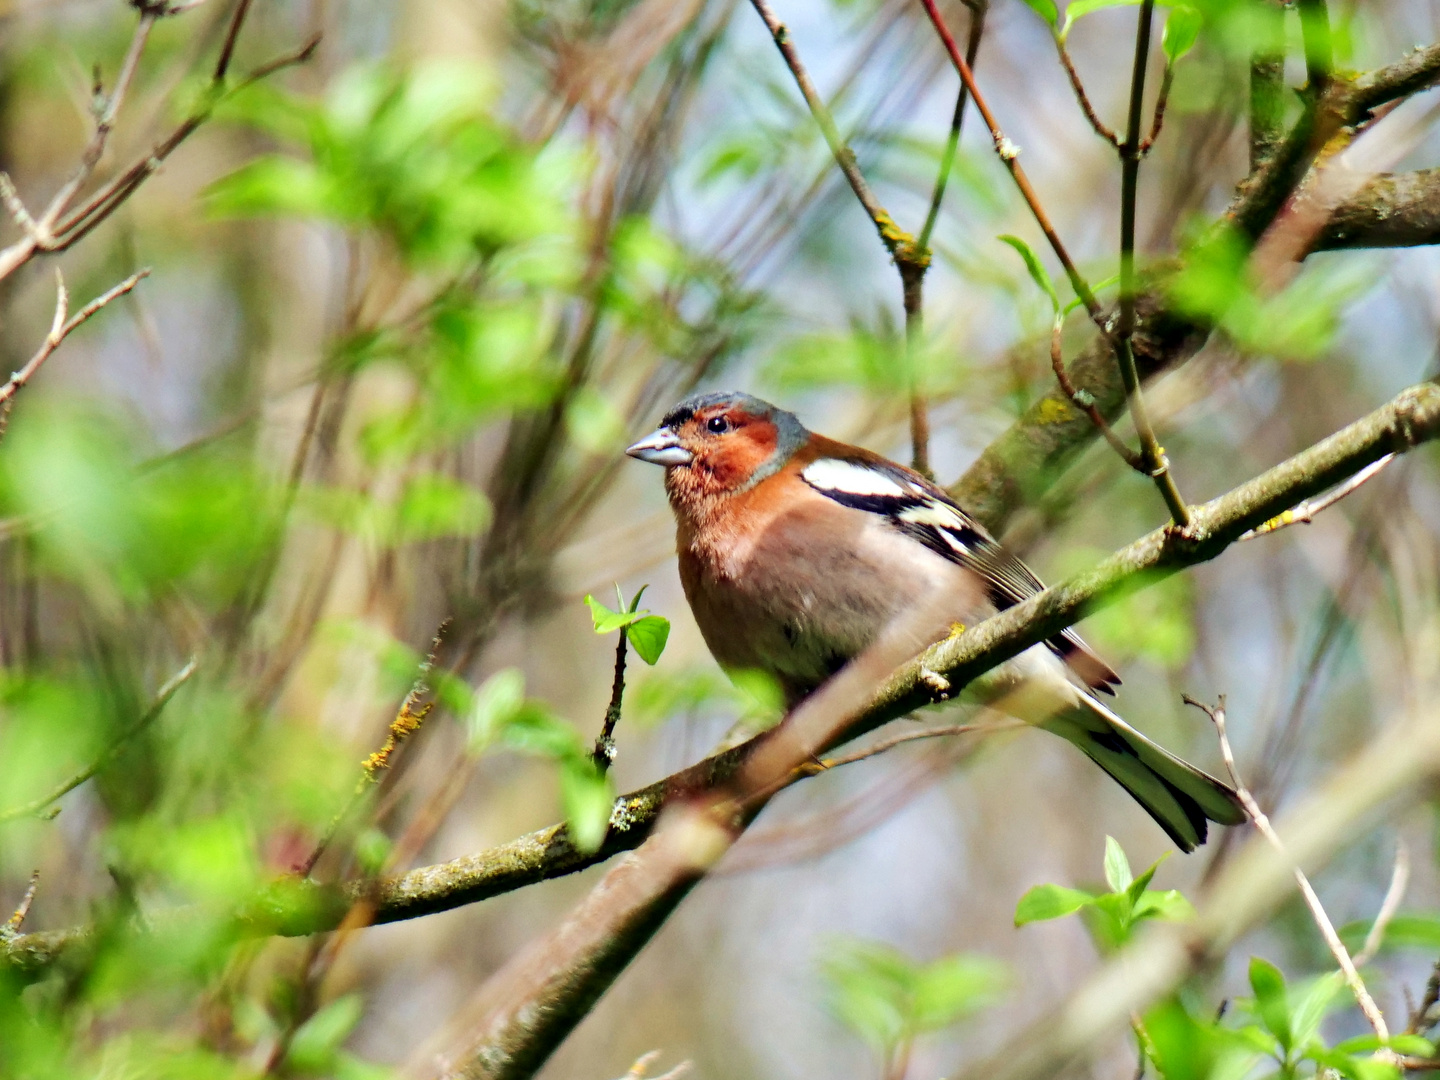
796, 551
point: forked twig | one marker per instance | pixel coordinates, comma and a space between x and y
1085, 402
1305, 512
1317, 911
60, 328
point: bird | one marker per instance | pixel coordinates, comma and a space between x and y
797, 551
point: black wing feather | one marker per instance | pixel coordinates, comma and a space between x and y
963, 540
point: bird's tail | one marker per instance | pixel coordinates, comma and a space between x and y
1175, 793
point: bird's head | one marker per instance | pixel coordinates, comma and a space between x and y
720, 443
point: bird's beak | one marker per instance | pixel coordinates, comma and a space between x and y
661, 447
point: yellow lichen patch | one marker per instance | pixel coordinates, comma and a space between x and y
1054, 411
407, 721
956, 629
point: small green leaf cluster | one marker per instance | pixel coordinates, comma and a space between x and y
1182, 27
1279, 1024
1112, 916
1217, 283
646, 633
888, 999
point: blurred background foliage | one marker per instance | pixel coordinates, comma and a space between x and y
410, 299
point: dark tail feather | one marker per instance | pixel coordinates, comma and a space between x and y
1180, 797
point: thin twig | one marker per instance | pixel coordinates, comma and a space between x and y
1420, 1021
104, 124
978, 10
1083, 98
912, 270
1304, 513
1085, 402
604, 752
232, 37
1008, 153
408, 719
1157, 119
1312, 901
60, 329
1156, 464
1399, 881
911, 258
157, 706
13, 924
891, 235
813, 768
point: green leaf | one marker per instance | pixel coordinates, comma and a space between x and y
496, 703
1117, 866
952, 987
1045, 902
870, 990
534, 730
1136, 888
314, 1046
1412, 1045
1078, 9
1403, 931
1109, 920
1182, 29
607, 621
1271, 1001
1313, 1005
648, 636
1046, 9
1038, 273
435, 506
1168, 904
588, 799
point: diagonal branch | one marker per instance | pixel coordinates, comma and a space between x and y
297, 908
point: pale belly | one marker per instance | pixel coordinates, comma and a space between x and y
798, 603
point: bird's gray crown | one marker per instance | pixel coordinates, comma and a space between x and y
791, 434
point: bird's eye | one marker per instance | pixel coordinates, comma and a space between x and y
718, 424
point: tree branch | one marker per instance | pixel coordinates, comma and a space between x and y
297, 908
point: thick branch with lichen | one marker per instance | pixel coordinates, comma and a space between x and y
302, 907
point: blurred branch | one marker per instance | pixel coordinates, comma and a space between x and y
1267, 84
1397, 763
58, 226
1262, 825
60, 329
1391, 210
408, 719
162, 698
1319, 51
1411, 418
